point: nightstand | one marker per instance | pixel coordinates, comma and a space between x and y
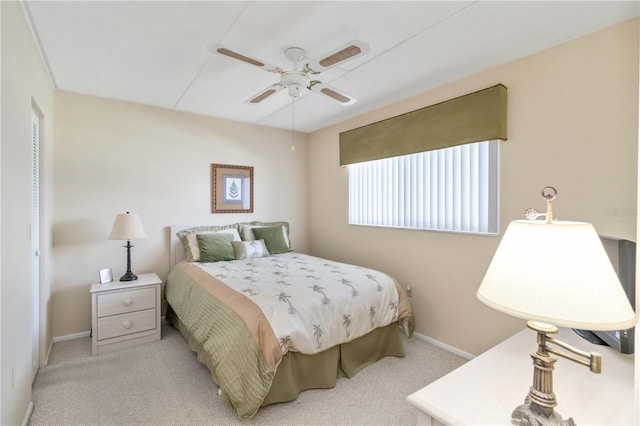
125, 313
485, 390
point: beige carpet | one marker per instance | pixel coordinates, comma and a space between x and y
163, 383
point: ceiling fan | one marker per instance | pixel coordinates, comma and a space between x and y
297, 80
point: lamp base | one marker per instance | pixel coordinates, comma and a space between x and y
531, 414
129, 276
539, 403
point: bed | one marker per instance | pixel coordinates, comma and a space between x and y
269, 322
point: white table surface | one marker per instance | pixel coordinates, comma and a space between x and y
485, 390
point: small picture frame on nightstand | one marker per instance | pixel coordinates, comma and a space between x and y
106, 276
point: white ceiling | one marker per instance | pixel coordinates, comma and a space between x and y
156, 52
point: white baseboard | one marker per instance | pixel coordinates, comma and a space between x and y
48, 354
71, 336
27, 415
444, 346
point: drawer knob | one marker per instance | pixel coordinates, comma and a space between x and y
127, 324
128, 301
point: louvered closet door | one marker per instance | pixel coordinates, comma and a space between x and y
35, 240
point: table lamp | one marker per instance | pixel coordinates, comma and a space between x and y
127, 226
554, 273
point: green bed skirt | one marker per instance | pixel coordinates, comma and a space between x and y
298, 372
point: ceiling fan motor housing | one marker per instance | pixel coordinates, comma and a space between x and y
295, 82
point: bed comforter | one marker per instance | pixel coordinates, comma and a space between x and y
246, 315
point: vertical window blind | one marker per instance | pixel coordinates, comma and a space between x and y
453, 189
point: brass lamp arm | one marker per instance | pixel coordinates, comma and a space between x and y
539, 404
593, 360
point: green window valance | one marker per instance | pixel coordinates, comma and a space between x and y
475, 117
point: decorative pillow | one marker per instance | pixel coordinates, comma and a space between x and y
246, 230
215, 247
190, 243
273, 238
249, 249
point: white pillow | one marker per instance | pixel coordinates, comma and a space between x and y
249, 249
193, 251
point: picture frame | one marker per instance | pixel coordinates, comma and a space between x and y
106, 276
231, 189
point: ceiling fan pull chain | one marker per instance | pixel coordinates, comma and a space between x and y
293, 102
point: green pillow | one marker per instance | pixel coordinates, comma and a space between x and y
215, 247
273, 237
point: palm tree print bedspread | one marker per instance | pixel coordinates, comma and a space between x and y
311, 303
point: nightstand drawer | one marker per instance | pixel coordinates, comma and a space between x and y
126, 301
121, 325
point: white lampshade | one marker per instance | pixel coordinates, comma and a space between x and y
557, 273
127, 226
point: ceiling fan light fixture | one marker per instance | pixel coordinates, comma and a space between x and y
295, 90
295, 82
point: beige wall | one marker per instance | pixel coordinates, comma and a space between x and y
113, 157
24, 81
572, 123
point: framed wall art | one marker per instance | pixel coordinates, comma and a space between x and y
231, 189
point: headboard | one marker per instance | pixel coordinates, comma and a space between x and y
177, 252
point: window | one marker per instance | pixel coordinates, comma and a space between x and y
452, 189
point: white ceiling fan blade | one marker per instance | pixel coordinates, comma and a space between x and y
337, 56
264, 94
332, 92
234, 54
